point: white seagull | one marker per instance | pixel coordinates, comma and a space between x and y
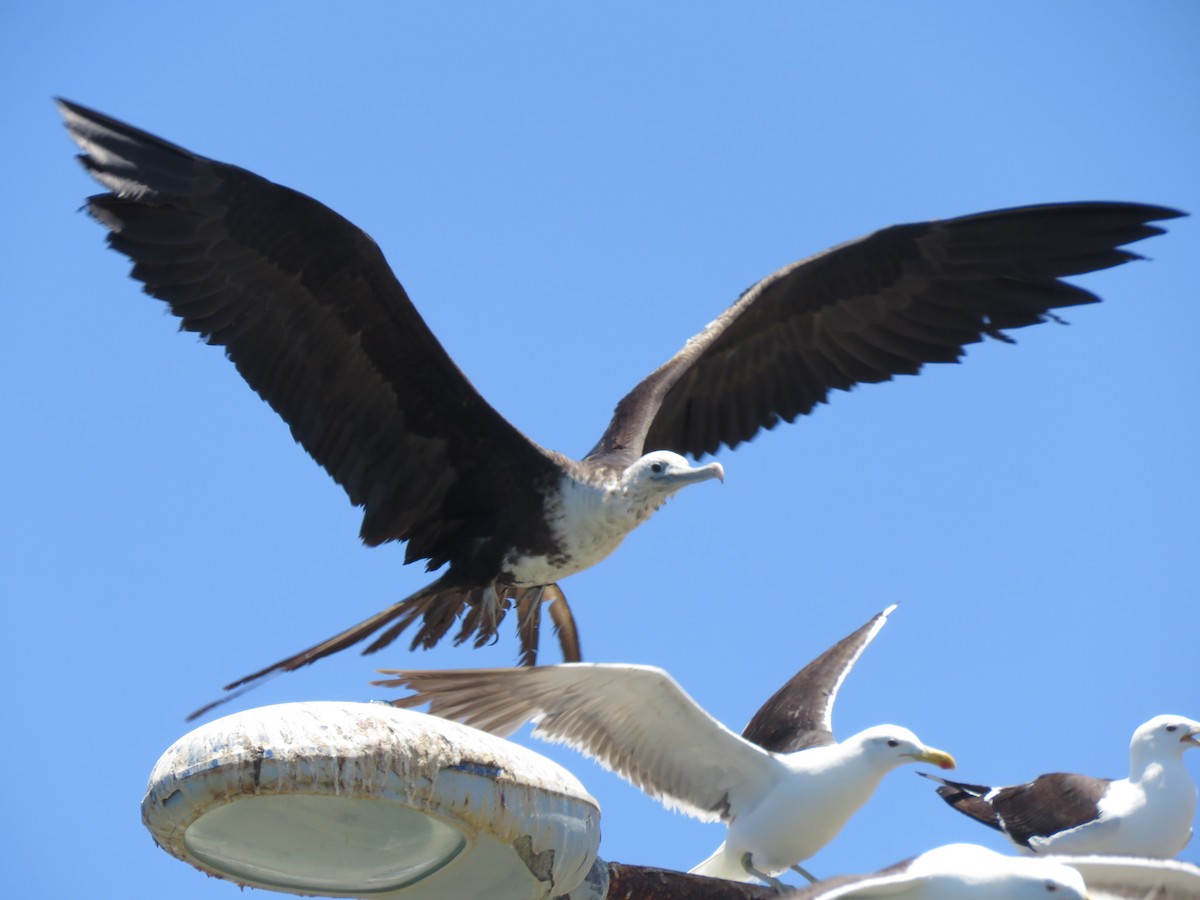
957, 872
784, 788
1149, 813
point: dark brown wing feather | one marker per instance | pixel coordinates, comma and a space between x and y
1042, 807
868, 310
967, 799
1048, 804
308, 310
800, 714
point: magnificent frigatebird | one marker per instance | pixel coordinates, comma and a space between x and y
1149, 813
308, 310
784, 787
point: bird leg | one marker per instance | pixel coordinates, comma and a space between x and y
564, 623
803, 871
778, 886
529, 603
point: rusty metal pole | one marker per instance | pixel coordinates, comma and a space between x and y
647, 883
617, 881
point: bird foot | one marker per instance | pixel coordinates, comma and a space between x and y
771, 881
803, 871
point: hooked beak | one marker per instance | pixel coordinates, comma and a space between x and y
933, 756
694, 474
1192, 738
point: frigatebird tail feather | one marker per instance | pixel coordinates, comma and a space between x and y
529, 622
439, 597
438, 605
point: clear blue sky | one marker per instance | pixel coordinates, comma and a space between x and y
568, 193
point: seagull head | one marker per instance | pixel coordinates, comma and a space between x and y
660, 473
1168, 735
892, 745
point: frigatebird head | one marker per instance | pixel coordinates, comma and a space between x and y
661, 473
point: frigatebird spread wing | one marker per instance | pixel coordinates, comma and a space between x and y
306, 307
868, 310
308, 310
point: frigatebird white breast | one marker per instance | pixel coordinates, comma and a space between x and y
308, 310
784, 787
1149, 813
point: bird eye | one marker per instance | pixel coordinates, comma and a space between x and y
1172, 727
657, 468
1051, 887
892, 742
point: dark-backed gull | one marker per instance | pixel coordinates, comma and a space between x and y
1149, 813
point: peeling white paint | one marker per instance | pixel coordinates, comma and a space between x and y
512, 804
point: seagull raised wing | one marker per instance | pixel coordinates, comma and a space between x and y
800, 714
634, 720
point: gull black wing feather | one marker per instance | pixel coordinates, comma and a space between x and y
1045, 806
868, 310
1048, 804
308, 310
800, 714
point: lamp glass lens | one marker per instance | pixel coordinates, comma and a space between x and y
338, 844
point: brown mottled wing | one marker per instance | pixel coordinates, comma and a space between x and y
308, 310
800, 714
868, 310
